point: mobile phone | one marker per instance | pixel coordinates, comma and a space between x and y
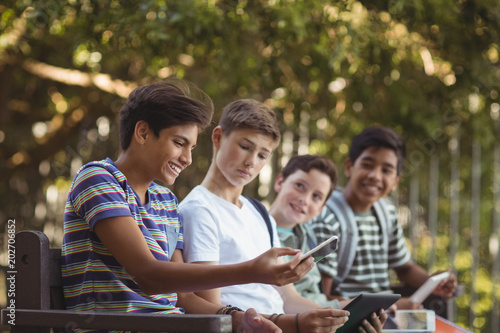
428, 287
322, 250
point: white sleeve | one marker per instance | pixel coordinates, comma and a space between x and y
201, 232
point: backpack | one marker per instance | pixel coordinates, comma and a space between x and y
349, 230
265, 215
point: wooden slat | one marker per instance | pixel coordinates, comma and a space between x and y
32, 266
121, 321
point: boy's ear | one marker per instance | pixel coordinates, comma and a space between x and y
278, 183
217, 136
347, 167
396, 182
141, 131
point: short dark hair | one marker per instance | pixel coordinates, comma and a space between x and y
308, 162
250, 114
380, 137
163, 105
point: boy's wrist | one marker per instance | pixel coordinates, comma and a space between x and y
228, 310
237, 320
255, 271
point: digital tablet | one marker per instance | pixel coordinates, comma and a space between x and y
428, 287
363, 306
410, 321
322, 250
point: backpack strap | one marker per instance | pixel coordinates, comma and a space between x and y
309, 235
349, 239
349, 230
382, 214
265, 215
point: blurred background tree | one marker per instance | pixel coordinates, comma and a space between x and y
428, 69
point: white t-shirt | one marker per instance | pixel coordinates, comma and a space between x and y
217, 230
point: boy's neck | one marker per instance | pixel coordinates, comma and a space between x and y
351, 199
216, 183
280, 219
135, 177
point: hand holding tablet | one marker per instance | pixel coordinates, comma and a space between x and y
363, 306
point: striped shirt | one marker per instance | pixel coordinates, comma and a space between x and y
92, 278
370, 269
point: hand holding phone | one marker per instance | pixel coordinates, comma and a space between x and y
322, 250
428, 287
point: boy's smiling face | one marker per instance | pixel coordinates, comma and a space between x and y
371, 177
170, 152
242, 154
301, 196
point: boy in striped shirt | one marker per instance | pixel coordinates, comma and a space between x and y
373, 169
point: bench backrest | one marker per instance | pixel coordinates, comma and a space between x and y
39, 302
39, 268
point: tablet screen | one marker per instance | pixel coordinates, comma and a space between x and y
410, 321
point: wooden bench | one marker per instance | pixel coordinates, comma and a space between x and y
39, 303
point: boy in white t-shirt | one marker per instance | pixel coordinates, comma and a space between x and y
223, 227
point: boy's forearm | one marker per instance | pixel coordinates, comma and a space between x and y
284, 321
294, 302
195, 304
326, 284
192, 303
156, 277
128, 246
163, 277
295, 307
412, 274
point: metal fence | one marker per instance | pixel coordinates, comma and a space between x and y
442, 201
